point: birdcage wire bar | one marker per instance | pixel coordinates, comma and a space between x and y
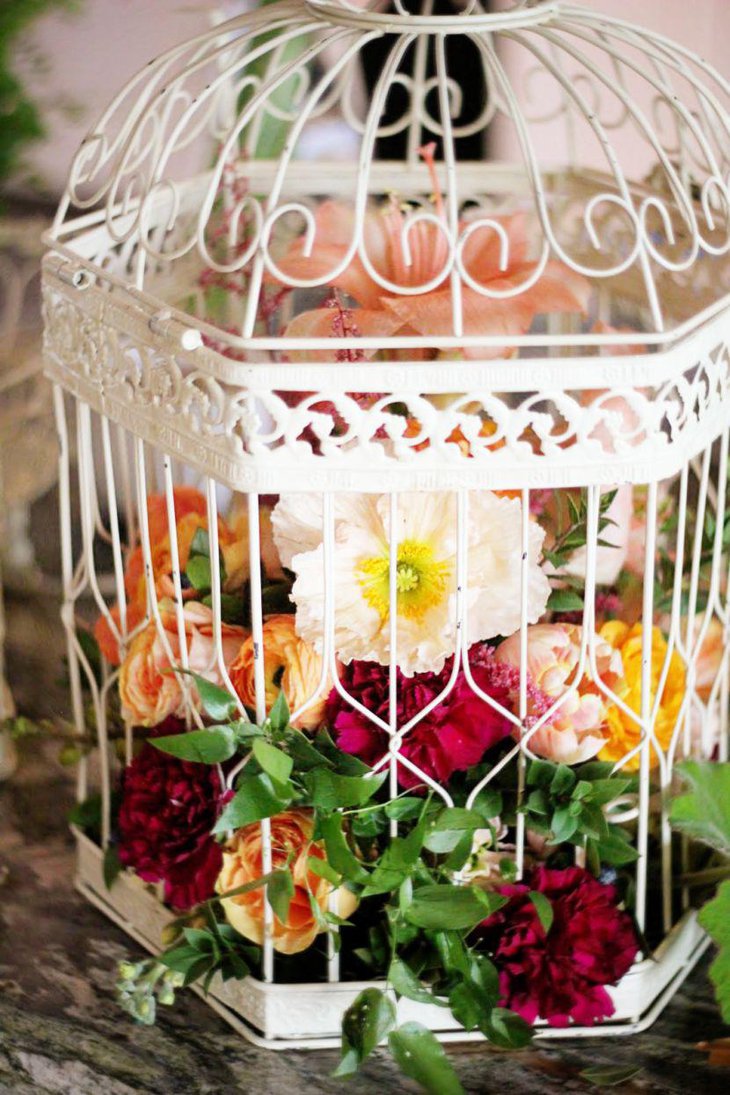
153, 396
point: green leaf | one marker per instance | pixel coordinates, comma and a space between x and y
274, 762
303, 753
322, 869
437, 906
540, 773
280, 892
405, 983
200, 544
565, 600
715, 919
255, 799
468, 1006
606, 790
188, 961
279, 715
543, 908
210, 746
563, 781
218, 703
364, 1025
606, 1076
339, 854
616, 849
704, 813
111, 866
489, 802
330, 791
198, 573
86, 814
461, 853
420, 1055
563, 825
507, 1030
449, 828
199, 939
403, 809
398, 860
247, 887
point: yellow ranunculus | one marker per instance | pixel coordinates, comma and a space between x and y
623, 732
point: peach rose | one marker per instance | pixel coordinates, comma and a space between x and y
291, 841
148, 693
575, 732
290, 664
623, 733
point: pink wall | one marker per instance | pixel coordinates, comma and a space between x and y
93, 53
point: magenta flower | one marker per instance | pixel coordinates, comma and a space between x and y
454, 736
168, 809
560, 975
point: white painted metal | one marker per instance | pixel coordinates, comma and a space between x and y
571, 402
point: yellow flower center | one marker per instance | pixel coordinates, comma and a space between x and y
421, 580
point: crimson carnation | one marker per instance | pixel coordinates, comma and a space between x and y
451, 738
559, 975
167, 811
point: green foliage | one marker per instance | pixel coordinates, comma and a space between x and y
704, 814
366, 1022
421, 1056
715, 919
567, 805
572, 534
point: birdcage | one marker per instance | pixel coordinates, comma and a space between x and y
452, 416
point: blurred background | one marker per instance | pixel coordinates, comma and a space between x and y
61, 61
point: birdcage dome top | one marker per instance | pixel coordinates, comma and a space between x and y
610, 142
417, 198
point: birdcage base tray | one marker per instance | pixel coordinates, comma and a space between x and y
307, 1016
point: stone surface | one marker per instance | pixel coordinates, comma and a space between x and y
61, 1031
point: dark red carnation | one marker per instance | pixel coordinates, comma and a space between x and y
560, 975
451, 738
168, 809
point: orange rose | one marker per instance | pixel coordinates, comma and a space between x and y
290, 663
191, 514
291, 841
148, 693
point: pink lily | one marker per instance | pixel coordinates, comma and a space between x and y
386, 310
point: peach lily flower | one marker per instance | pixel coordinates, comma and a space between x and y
395, 309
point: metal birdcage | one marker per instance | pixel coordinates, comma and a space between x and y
476, 346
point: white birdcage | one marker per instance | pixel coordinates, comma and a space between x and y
467, 347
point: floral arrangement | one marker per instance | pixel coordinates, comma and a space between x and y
399, 850
442, 814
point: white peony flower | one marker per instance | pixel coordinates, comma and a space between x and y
426, 573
